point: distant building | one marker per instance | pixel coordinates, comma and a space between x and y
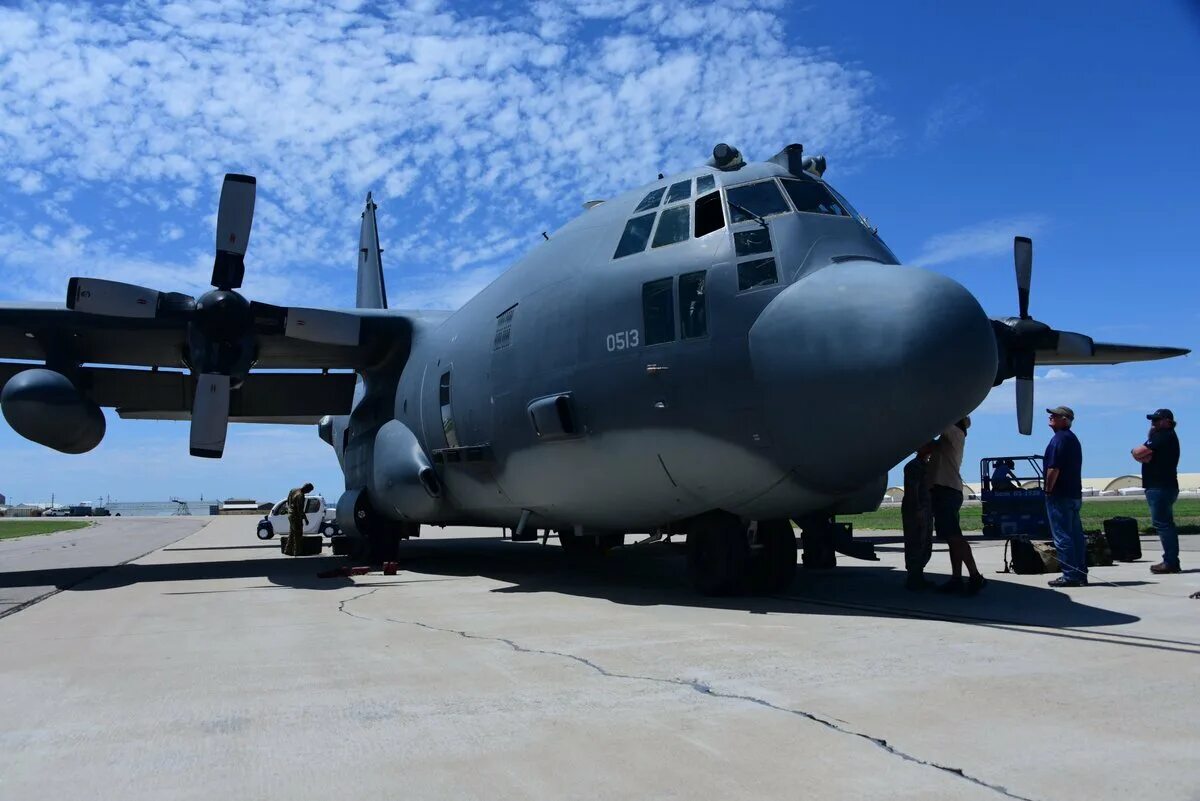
241, 506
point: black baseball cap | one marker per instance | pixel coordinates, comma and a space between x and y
1161, 414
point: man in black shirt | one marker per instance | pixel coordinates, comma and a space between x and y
1159, 456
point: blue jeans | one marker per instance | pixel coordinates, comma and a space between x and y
1162, 516
1067, 530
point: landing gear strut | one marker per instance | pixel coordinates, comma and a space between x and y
587, 547
369, 537
726, 556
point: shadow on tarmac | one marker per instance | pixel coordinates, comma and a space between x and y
641, 575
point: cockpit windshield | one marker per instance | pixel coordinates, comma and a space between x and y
762, 198
814, 198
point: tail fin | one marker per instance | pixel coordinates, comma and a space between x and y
371, 292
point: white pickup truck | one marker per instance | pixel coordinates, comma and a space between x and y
320, 516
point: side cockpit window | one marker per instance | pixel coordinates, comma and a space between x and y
679, 191
705, 183
658, 311
635, 237
710, 216
672, 226
693, 312
650, 201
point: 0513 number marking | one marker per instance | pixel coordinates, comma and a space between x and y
622, 340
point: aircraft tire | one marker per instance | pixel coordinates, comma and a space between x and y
773, 566
586, 549
265, 532
377, 546
718, 554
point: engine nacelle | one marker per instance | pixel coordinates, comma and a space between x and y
403, 482
45, 407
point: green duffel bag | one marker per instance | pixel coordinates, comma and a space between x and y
1030, 556
1098, 552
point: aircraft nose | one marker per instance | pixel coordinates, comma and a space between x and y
859, 363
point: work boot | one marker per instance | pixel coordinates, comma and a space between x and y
917, 583
975, 584
1065, 582
1163, 567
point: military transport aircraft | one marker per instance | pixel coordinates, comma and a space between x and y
716, 353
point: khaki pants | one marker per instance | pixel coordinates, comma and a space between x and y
294, 534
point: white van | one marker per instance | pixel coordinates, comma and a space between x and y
320, 519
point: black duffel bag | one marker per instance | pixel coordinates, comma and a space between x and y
1124, 539
1030, 556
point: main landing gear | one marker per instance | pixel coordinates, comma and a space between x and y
588, 546
727, 556
368, 537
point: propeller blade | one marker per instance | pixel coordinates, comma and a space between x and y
234, 217
323, 325
326, 326
1025, 405
210, 415
97, 296
1023, 258
1024, 374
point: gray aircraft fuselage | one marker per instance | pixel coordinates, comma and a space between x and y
624, 393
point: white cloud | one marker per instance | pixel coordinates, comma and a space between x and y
129, 114
990, 238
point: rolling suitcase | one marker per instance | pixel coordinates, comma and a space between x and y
1123, 538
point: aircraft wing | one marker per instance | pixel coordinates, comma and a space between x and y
144, 367
41, 331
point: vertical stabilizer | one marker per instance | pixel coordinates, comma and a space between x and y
371, 292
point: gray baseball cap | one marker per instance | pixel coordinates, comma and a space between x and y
1062, 411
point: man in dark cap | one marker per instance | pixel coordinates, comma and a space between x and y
1159, 456
1064, 498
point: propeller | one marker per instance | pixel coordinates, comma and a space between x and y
222, 326
1020, 338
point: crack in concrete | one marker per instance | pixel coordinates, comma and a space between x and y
699, 687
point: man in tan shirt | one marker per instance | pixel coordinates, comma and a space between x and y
946, 497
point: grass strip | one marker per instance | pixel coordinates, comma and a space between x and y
12, 529
1094, 513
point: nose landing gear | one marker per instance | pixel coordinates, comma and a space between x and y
727, 556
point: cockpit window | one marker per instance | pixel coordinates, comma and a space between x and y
672, 226
650, 200
679, 191
811, 197
755, 273
637, 233
762, 198
705, 183
709, 214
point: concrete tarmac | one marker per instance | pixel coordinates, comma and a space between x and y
486, 669
49, 563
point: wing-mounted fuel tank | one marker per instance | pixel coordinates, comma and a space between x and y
45, 407
404, 484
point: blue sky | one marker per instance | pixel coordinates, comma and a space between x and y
952, 126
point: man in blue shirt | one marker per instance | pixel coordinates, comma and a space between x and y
1159, 456
1064, 498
